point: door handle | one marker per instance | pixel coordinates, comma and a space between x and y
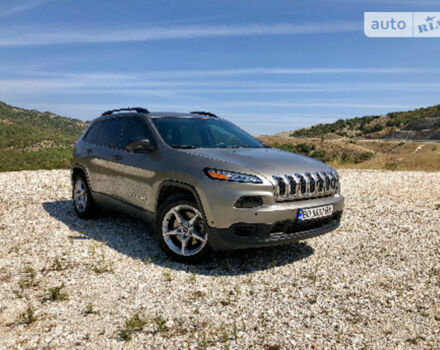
117, 157
89, 150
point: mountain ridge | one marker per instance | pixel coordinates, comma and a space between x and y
418, 124
23, 128
31, 140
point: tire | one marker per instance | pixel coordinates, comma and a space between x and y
82, 199
180, 228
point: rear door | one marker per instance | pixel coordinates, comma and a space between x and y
137, 170
86, 149
107, 157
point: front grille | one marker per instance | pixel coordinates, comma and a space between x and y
307, 185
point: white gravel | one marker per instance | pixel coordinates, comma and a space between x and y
372, 284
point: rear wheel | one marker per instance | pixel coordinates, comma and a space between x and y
181, 230
83, 202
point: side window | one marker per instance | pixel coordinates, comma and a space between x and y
93, 133
110, 133
135, 129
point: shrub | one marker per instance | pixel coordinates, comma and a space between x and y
321, 155
132, 325
27, 317
50, 158
364, 156
55, 293
303, 148
161, 324
390, 166
345, 157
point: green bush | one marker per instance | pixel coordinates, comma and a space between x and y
321, 155
49, 158
345, 157
303, 148
364, 156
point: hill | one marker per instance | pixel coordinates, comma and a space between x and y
30, 139
419, 124
363, 154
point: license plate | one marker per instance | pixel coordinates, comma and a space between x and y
315, 213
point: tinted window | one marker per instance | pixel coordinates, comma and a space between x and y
135, 129
110, 133
203, 132
93, 132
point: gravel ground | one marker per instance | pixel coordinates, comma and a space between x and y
372, 284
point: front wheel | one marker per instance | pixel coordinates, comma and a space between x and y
181, 230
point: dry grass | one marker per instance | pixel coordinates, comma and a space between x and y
388, 155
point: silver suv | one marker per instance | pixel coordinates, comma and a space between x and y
203, 182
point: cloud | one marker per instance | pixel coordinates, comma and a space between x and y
161, 83
139, 79
314, 104
22, 7
284, 71
51, 36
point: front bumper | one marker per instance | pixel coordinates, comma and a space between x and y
240, 236
218, 201
273, 223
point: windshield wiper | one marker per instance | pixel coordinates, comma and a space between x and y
183, 146
236, 147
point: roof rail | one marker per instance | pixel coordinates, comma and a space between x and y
209, 114
128, 109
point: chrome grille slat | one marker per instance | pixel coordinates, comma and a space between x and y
291, 185
307, 178
326, 182
320, 185
306, 185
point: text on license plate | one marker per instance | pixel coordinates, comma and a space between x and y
315, 213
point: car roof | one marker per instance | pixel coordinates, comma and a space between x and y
173, 114
153, 114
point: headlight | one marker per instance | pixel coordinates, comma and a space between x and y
231, 176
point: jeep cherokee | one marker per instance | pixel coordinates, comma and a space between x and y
203, 182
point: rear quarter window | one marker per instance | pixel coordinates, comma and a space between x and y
93, 133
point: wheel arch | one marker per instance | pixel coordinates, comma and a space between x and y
169, 188
79, 169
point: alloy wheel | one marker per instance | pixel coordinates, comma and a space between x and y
183, 230
80, 195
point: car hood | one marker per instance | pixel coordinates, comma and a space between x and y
265, 161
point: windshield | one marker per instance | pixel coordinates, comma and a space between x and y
181, 132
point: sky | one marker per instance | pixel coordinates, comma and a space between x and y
268, 66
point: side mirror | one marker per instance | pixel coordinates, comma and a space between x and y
140, 145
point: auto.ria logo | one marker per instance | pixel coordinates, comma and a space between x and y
402, 24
